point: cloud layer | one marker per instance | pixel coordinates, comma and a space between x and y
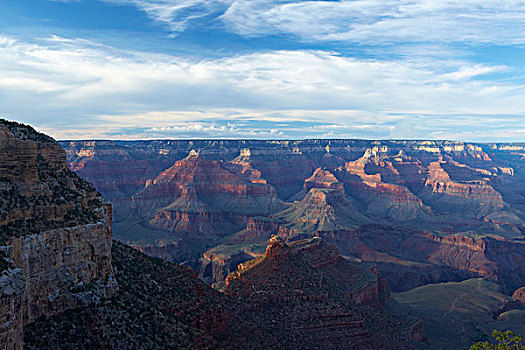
77, 88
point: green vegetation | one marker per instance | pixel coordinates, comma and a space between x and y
501, 341
513, 320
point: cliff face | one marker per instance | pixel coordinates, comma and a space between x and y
55, 234
159, 304
218, 262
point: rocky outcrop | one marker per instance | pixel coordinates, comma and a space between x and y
64, 268
162, 304
320, 210
519, 294
218, 262
200, 200
159, 304
294, 279
55, 234
322, 179
11, 317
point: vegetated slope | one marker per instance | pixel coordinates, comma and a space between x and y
457, 314
321, 299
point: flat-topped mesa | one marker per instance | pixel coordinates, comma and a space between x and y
55, 233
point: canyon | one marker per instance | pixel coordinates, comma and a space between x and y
65, 283
293, 263
423, 211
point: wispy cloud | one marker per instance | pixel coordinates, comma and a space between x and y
176, 14
65, 85
362, 21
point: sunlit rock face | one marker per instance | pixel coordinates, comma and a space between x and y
55, 234
409, 206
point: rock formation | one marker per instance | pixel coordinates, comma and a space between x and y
55, 234
319, 299
218, 262
200, 200
390, 202
161, 304
519, 294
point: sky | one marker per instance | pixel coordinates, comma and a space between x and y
274, 69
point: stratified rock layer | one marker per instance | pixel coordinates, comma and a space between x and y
197, 201
390, 202
164, 305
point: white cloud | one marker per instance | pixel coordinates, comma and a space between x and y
64, 84
375, 21
363, 21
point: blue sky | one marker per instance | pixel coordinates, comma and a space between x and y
277, 69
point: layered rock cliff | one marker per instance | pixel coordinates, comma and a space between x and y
55, 234
197, 201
